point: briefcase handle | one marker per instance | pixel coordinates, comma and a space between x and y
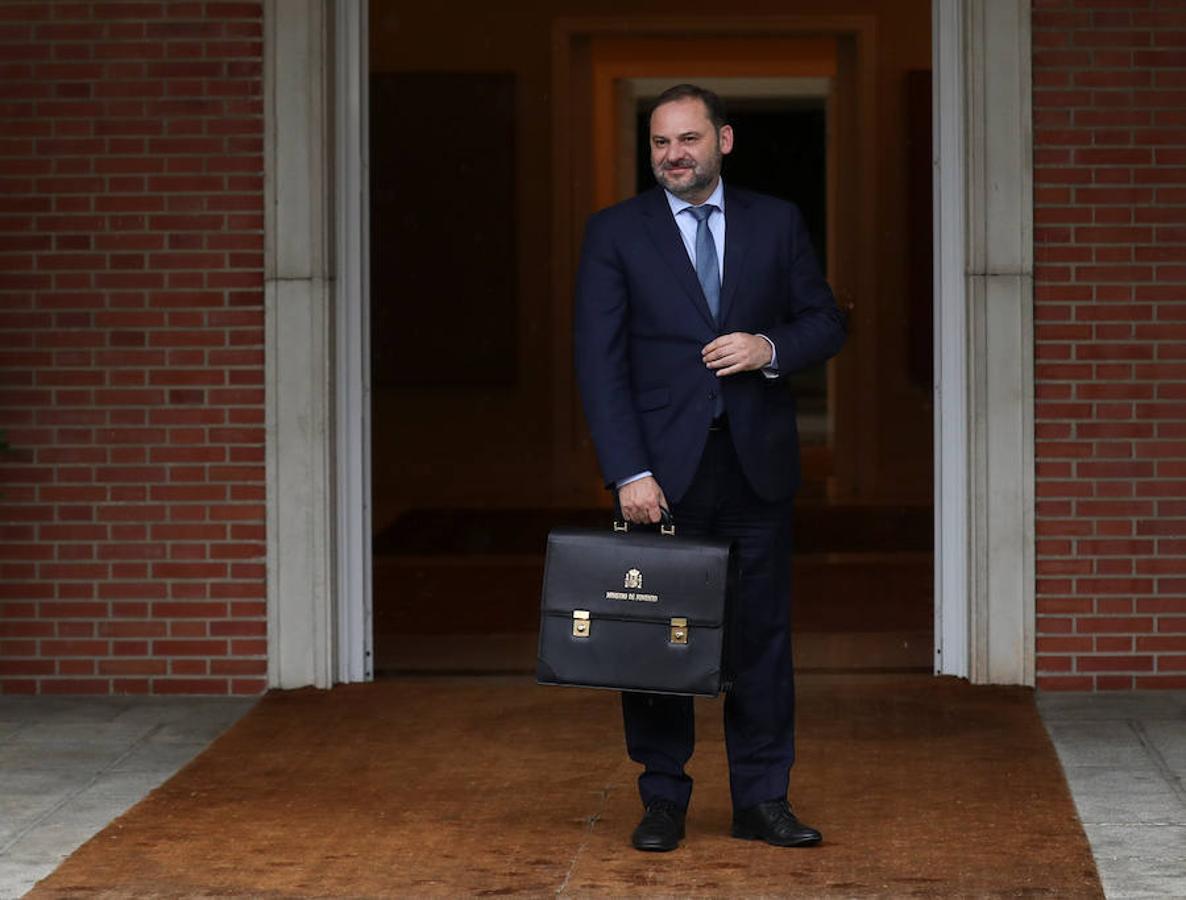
666, 520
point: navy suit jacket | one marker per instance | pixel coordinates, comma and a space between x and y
641, 320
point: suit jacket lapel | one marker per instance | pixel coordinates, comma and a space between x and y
739, 234
663, 231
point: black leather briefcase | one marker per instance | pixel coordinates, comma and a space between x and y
634, 610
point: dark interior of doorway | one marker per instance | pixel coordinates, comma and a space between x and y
456, 590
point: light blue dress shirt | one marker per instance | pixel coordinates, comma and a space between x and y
716, 224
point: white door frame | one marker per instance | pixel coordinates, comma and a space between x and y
352, 342
984, 388
318, 430
950, 349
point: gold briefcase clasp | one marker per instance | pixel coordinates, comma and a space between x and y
679, 631
580, 623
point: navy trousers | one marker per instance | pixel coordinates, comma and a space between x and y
760, 708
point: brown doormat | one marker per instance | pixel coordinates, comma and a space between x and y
457, 787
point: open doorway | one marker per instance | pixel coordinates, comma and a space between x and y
479, 446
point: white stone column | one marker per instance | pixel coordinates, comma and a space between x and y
298, 343
984, 427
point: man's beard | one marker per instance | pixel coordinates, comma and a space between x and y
702, 178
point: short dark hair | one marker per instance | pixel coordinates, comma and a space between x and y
714, 104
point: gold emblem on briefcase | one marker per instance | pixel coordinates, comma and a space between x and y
633, 592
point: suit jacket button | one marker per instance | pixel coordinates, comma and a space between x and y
712, 395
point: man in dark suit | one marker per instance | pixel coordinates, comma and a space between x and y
694, 302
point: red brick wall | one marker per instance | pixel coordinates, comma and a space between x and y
131, 348
1110, 309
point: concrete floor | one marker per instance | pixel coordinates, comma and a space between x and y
1125, 760
68, 766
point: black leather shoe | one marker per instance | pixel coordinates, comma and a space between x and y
774, 823
661, 828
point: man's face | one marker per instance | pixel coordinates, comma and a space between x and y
686, 149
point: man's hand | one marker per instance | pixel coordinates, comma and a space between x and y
640, 500
737, 352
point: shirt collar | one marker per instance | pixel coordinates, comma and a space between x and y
716, 198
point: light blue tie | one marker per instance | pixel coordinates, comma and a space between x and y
709, 272
707, 268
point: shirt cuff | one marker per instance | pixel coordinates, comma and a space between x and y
622, 482
771, 370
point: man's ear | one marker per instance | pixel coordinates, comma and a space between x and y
726, 138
